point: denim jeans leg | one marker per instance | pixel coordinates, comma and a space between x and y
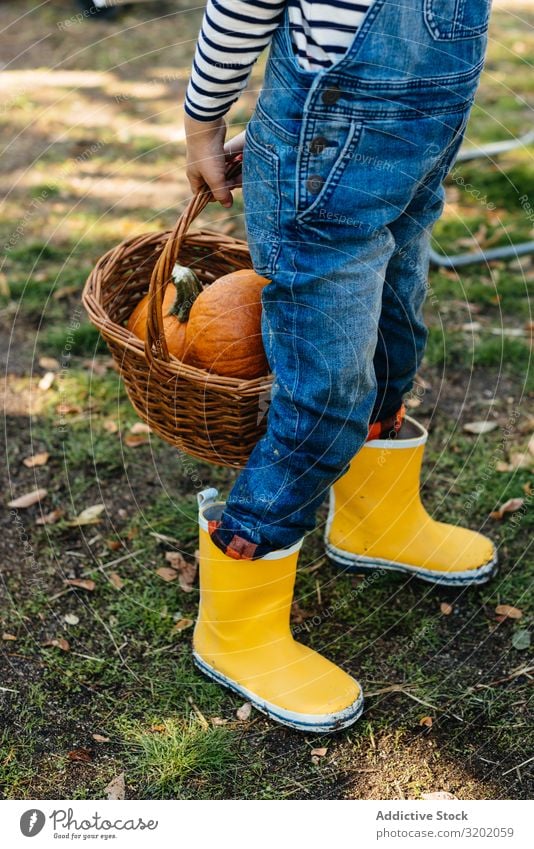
320, 330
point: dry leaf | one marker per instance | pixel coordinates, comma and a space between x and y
527, 489
71, 619
111, 426
6, 636
133, 440
84, 755
29, 499
243, 713
438, 794
36, 460
46, 381
446, 608
116, 580
140, 427
81, 583
99, 738
480, 427
520, 460
68, 409
50, 518
114, 544
64, 292
49, 363
116, 789
426, 721
508, 612
62, 644
217, 720
166, 573
158, 728
89, 516
501, 466
182, 624
187, 572
509, 506
319, 753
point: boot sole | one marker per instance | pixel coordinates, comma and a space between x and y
315, 724
360, 563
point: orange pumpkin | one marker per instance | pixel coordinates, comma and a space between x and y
217, 328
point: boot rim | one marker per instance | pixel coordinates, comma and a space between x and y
401, 442
207, 500
311, 723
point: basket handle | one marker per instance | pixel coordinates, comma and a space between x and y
155, 342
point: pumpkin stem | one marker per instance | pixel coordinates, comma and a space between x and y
188, 289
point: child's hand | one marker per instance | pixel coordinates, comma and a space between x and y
206, 158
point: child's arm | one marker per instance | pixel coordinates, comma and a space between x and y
233, 34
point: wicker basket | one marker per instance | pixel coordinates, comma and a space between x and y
217, 419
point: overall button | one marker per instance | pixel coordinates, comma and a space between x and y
318, 144
314, 184
331, 95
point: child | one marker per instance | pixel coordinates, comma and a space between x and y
361, 114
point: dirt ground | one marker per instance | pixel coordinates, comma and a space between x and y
95, 678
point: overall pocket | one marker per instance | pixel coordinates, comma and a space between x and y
328, 146
454, 20
261, 198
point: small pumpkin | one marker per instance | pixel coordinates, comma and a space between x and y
217, 328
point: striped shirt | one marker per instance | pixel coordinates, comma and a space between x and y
234, 33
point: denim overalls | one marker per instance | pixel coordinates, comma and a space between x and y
342, 182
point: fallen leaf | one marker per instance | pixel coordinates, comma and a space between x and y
509, 506
446, 608
527, 488
319, 753
167, 573
157, 728
438, 794
187, 572
140, 427
29, 499
243, 713
114, 544
508, 612
50, 518
111, 426
62, 644
99, 738
480, 427
217, 720
84, 755
133, 440
81, 583
501, 466
182, 624
49, 363
520, 460
116, 789
521, 639
6, 636
89, 516
71, 619
64, 292
36, 460
46, 381
427, 721
116, 580
413, 403
68, 409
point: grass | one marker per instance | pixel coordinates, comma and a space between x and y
128, 674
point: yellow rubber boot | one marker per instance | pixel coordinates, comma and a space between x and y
377, 521
242, 638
